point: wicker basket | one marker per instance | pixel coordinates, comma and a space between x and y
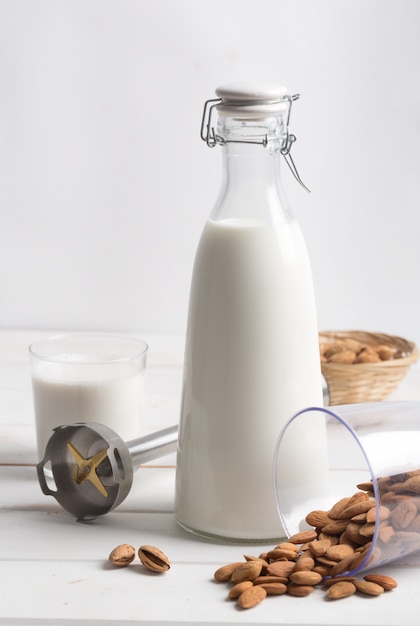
366, 382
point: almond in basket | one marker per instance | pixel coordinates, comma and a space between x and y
361, 366
352, 351
361, 347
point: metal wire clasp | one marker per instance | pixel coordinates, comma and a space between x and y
209, 135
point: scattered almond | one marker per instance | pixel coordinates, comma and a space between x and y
368, 587
275, 588
339, 544
299, 591
318, 548
304, 536
342, 589
339, 552
154, 559
318, 518
251, 597
304, 563
386, 582
338, 579
224, 573
239, 588
122, 555
246, 571
305, 577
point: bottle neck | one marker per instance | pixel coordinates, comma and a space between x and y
251, 166
251, 183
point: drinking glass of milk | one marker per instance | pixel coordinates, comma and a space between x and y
88, 377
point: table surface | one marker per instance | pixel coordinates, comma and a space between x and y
55, 570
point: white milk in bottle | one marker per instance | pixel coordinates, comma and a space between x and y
251, 355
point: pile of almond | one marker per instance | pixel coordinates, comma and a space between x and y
337, 545
349, 350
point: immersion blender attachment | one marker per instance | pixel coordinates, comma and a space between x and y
89, 469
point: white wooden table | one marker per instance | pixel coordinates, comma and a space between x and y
55, 570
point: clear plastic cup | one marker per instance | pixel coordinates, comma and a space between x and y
374, 447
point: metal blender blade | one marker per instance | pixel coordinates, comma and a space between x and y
89, 469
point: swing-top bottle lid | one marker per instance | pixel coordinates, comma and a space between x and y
252, 99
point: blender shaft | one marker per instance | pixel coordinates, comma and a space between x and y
153, 446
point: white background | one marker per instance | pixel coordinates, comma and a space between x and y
105, 184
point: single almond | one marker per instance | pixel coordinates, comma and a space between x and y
239, 588
251, 597
318, 548
368, 587
338, 507
345, 565
337, 579
386, 533
154, 559
278, 553
323, 560
367, 530
403, 514
361, 506
346, 357
300, 591
333, 348
249, 557
415, 524
305, 577
336, 527
366, 486
318, 518
358, 496
274, 589
303, 536
344, 539
122, 555
324, 570
280, 568
384, 352
304, 563
386, 582
368, 356
286, 545
262, 580
363, 548
246, 571
352, 344
358, 560
352, 532
413, 484
333, 539
388, 498
374, 514
339, 552
407, 537
223, 574
257, 559
342, 589
385, 483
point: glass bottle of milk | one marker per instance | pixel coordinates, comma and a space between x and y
251, 355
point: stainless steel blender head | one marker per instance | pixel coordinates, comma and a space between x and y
89, 469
